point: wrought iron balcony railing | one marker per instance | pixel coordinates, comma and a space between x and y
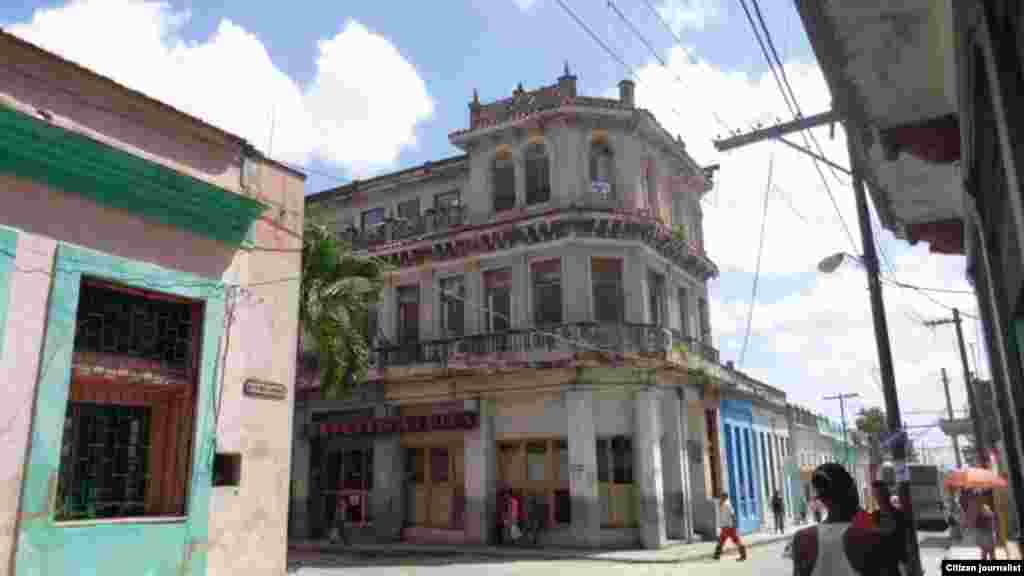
395, 229
697, 346
566, 338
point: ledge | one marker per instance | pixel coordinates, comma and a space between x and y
59, 158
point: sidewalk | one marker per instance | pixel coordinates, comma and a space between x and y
674, 553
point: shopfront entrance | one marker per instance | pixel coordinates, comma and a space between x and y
537, 470
343, 483
435, 493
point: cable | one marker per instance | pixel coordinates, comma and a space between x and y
760, 248
795, 110
658, 57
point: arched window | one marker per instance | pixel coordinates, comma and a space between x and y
538, 175
602, 174
504, 175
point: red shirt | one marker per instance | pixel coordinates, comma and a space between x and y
863, 520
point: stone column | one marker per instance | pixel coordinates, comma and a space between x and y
648, 475
387, 494
481, 477
583, 489
675, 471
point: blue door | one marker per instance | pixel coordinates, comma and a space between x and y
742, 461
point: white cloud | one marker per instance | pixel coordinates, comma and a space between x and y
692, 14
525, 5
819, 339
359, 111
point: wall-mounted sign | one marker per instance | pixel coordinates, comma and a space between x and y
398, 424
264, 389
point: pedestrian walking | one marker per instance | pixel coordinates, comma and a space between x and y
777, 510
985, 532
728, 531
841, 545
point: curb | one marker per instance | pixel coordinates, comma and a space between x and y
523, 554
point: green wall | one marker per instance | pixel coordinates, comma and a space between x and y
132, 548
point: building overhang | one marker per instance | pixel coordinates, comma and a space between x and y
956, 427
891, 69
37, 150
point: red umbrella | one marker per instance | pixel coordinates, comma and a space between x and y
978, 478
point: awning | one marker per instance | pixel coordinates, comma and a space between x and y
892, 72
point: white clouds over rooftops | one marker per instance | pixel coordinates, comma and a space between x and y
359, 111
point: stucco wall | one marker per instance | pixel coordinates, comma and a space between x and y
244, 529
523, 416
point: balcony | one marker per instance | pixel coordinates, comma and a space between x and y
399, 229
529, 345
696, 346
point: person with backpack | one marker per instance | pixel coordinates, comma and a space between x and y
727, 516
843, 545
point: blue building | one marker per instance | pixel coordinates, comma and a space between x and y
742, 457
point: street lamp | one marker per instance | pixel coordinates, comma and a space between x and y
833, 262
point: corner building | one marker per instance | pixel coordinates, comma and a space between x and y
545, 329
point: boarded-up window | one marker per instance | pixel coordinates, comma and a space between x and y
606, 277
547, 292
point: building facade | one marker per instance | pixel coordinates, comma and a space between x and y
545, 329
149, 397
755, 447
818, 440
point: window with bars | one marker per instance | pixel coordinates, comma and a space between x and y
498, 298
538, 175
606, 277
126, 446
547, 292
453, 300
504, 175
104, 461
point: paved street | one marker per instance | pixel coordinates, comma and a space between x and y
763, 560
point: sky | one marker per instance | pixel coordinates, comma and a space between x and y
348, 90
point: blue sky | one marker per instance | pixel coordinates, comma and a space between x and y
359, 88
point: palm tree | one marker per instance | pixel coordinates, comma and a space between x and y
336, 291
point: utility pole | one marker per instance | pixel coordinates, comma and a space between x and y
949, 411
842, 412
980, 442
870, 259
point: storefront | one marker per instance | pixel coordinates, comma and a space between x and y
741, 455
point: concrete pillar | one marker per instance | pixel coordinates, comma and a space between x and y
635, 286
481, 477
648, 476
583, 489
676, 466
387, 497
577, 284
300, 493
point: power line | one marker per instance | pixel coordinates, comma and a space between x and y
643, 39
795, 110
760, 248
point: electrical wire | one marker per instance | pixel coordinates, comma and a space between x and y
643, 39
760, 249
795, 110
